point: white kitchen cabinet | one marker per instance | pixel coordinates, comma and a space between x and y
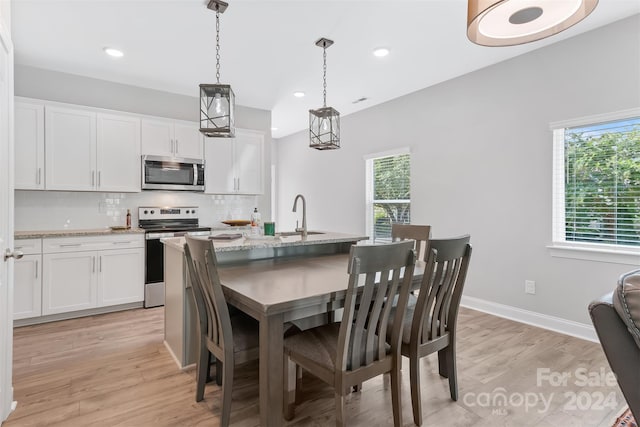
234, 165
29, 145
171, 138
27, 290
121, 276
70, 150
118, 153
89, 151
87, 272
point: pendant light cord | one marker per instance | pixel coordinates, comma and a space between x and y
218, 46
324, 76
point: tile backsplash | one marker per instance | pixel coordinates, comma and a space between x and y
55, 210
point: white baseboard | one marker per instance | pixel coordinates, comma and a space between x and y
552, 323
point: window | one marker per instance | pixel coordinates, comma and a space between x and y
388, 192
597, 183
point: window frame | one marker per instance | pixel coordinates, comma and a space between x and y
369, 200
560, 247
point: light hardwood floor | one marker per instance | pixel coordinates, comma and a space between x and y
113, 370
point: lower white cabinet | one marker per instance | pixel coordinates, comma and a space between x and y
27, 290
81, 273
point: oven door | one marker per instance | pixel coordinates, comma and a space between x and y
168, 173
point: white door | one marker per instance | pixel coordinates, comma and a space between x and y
188, 140
29, 146
70, 159
157, 137
6, 221
120, 276
68, 282
248, 162
118, 148
219, 172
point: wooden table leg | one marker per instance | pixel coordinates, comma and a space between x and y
271, 366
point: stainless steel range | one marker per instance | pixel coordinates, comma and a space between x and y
158, 223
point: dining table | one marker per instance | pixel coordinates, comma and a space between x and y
280, 290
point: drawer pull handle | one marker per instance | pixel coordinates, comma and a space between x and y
69, 245
122, 243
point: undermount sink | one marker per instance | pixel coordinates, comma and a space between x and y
298, 233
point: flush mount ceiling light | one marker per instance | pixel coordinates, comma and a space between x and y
324, 123
113, 52
298, 94
381, 52
512, 22
217, 101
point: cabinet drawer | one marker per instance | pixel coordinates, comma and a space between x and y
92, 243
28, 246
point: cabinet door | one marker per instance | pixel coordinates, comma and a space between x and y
188, 140
69, 282
218, 166
29, 146
121, 276
157, 137
70, 156
248, 162
27, 291
118, 147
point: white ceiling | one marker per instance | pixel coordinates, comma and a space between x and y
268, 47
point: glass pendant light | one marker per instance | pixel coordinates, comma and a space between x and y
217, 101
324, 123
512, 22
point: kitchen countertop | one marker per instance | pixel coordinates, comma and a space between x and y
248, 243
73, 233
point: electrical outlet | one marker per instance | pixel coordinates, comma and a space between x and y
530, 287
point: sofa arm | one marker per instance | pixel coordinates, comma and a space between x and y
620, 349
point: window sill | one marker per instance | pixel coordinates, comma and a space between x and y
594, 253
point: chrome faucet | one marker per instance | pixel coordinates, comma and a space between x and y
303, 229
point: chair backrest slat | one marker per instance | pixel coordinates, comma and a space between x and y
374, 281
211, 305
419, 233
441, 288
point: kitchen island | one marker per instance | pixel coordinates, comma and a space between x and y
180, 316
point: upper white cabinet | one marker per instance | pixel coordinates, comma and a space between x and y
89, 151
171, 138
29, 145
70, 136
118, 153
234, 165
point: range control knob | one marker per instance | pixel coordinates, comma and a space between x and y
146, 212
152, 212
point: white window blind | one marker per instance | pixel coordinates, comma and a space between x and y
388, 194
597, 183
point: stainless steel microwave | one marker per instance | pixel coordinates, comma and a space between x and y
171, 173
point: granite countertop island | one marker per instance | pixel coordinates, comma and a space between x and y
180, 322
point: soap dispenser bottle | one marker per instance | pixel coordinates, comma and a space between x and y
256, 222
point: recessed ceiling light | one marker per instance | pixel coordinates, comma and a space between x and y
113, 52
274, 129
298, 94
380, 52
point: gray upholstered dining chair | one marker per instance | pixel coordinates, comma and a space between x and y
430, 324
419, 233
230, 339
347, 353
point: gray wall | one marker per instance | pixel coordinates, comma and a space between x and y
62, 87
482, 164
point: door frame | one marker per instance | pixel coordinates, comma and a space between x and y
6, 319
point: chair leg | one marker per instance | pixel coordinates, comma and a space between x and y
290, 372
340, 409
414, 375
227, 388
209, 362
357, 388
442, 364
396, 397
219, 368
453, 374
202, 371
